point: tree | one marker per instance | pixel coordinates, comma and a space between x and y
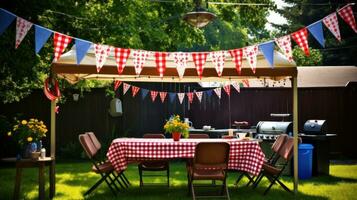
141, 24
302, 13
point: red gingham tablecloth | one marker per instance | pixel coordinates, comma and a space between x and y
244, 155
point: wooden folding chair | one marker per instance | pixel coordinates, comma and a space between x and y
210, 163
198, 136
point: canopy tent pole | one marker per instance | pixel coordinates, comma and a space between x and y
53, 129
295, 131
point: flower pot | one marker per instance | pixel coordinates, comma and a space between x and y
176, 136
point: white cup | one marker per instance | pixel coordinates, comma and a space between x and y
242, 135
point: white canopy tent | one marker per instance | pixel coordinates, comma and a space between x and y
67, 68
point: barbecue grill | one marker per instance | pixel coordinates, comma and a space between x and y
315, 133
270, 130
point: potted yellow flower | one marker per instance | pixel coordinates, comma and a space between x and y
28, 134
176, 127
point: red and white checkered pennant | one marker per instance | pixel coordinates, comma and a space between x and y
181, 96
217, 58
199, 59
121, 56
199, 95
162, 96
125, 87
160, 59
236, 86
22, 27
284, 43
116, 85
237, 55
134, 90
190, 96
331, 22
60, 42
346, 14
300, 38
101, 54
218, 92
153, 95
250, 54
139, 57
246, 82
227, 89
180, 59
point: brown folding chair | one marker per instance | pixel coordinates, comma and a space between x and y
273, 171
154, 165
98, 146
104, 169
210, 163
198, 136
280, 140
228, 137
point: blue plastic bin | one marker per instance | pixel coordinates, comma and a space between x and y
305, 161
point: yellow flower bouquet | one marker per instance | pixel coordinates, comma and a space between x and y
25, 132
176, 125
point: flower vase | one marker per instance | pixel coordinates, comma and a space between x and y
176, 136
28, 149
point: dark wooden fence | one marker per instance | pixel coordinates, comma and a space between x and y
90, 113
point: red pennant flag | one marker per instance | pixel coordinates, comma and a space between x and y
121, 56
251, 53
199, 95
162, 96
134, 90
237, 55
180, 59
22, 27
160, 59
300, 38
227, 89
217, 58
139, 57
153, 95
331, 22
199, 59
101, 54
236, 86
190, 97
125, 87
246, 82
218, 92
284, 43
116, 85
60, 42
346, 14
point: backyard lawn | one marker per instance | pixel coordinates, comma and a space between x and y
73, 179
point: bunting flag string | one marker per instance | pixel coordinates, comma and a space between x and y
101, 54
284, 43
237, 55
346, 14
117, 84
236, 86
162, 96
217, 58
180, 59
246, 82
160, 59
181, 96
331, 22
316, 30
153, 95
121, 56
190, 97
199, 96
172, 97
41, 36
227, 89
134, 90
82, 47
251, 53
300, 38
199, 59
125, 88
6, 18
218, 92
22, 27
267, 49
60, 42
144, 93
140, 57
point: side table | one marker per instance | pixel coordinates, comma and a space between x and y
40, 164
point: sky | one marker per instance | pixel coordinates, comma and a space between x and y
275, 17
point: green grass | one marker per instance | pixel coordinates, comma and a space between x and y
74, 178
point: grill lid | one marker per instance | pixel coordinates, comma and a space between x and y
315, 126
272, 127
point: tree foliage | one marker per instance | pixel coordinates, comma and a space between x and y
140, 24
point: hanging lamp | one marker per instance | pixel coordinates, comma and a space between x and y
199, 17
